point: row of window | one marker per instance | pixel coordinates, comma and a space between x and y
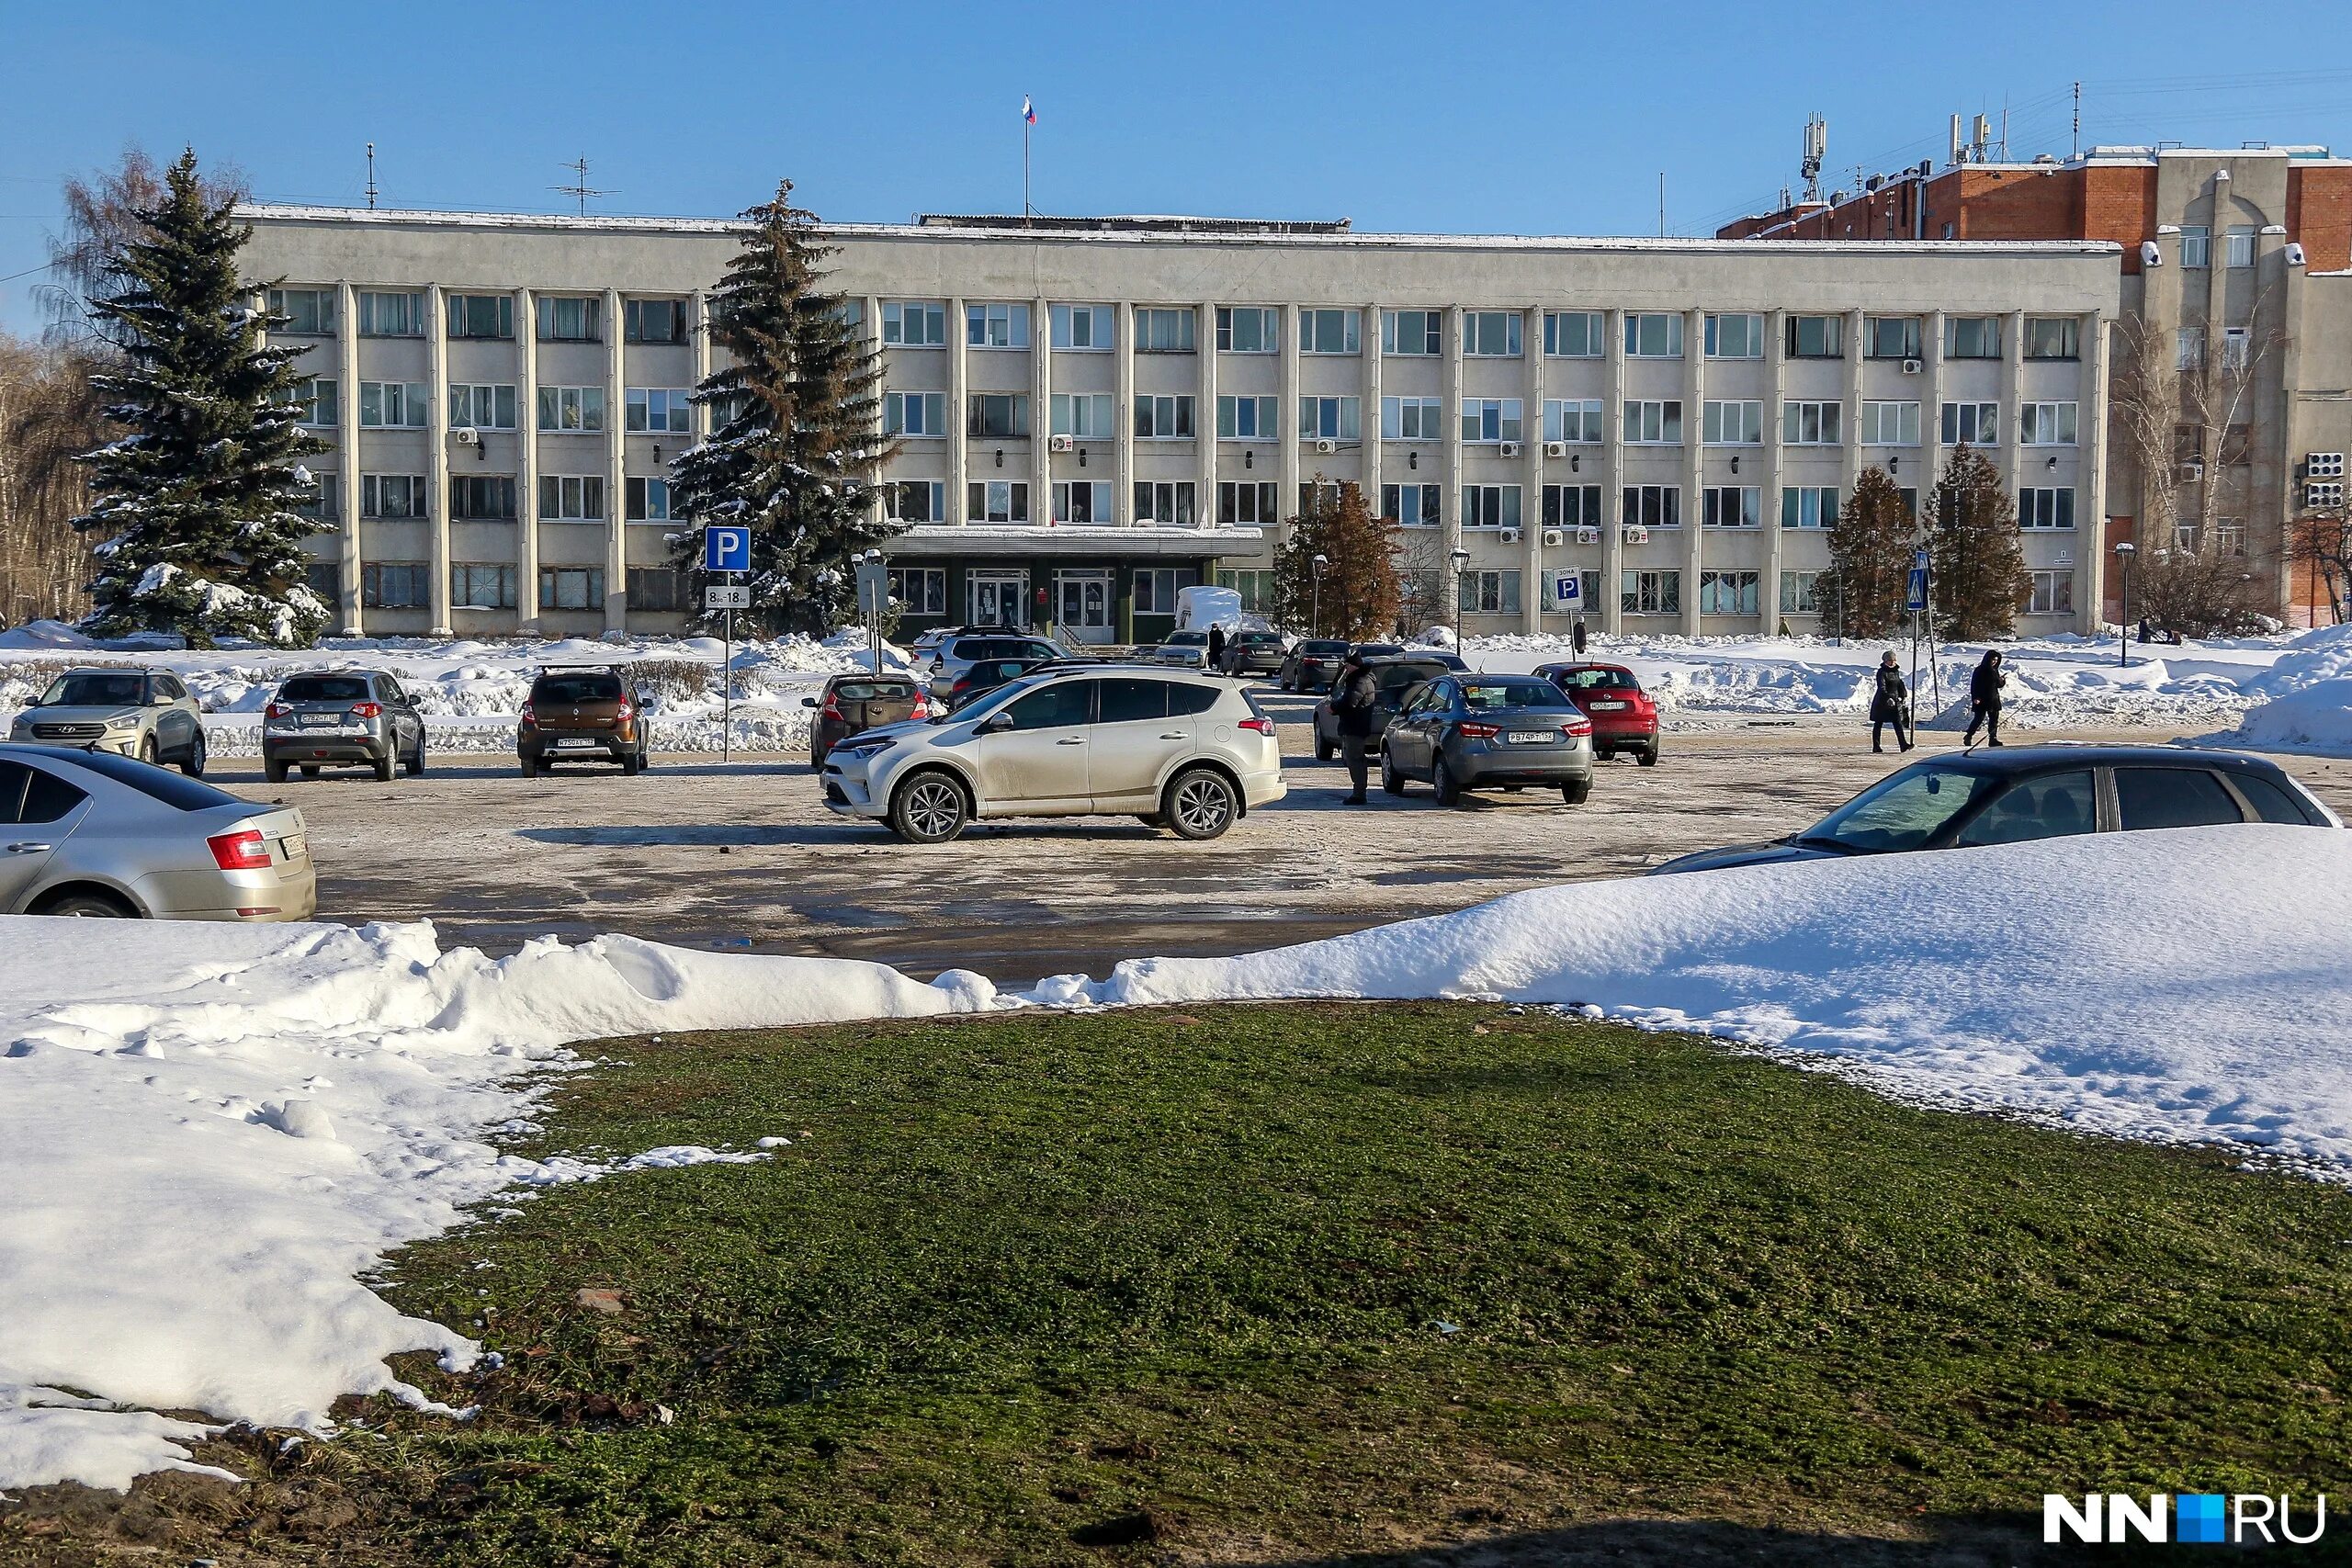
312, 312
1657, 590
2196, 244
490, 498
391, 405
492, 585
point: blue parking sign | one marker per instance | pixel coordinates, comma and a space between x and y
1567, 588
727, 547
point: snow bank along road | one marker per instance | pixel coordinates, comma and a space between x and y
749, 858
207, 1134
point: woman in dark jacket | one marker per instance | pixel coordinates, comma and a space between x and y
1984, 699
1890, 704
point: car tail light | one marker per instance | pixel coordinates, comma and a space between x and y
832, 709
367, 710
241, 851
626, 712
528, 717
1478, 731
921, 708
1261, 726
275, 710
1575, 727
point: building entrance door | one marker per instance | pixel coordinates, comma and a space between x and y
998, 598
1083, 602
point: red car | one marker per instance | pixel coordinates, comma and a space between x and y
1623, 716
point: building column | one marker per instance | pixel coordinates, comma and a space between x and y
1450, 500
1694, 466
1850, 465
349, 577
1373, 448
959, 412
526, 467
2012, 400
1613, 479
2090, 473
2273, 543
1530, 448
1286, 458
1776, 370
1205, 419
1123, 414
616, 471
1931, 425
872, 318
436, 455
1041, 412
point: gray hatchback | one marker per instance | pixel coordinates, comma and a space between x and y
1464, 732
359, 719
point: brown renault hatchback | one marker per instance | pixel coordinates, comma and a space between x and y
581, 714
852, 703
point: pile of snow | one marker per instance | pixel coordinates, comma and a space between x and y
2309, 699
208, 1135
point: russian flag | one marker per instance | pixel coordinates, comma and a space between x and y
1028, 114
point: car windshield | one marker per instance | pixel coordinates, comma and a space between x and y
578, 689
873, 691
1187, 640
95, 689
1376, 649
981, 706
1260, 636
185, 793
1396, 677
1903, 811
324, 689
1528, 693
1325, 646
1597, 681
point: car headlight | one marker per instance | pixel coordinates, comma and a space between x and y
127, 721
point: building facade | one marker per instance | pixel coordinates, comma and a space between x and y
1092, 414
2236, 276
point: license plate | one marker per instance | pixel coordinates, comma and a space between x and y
574, 745
319, 720
1607, 707
1532, 736
295, 847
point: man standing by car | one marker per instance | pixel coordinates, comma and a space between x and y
1354, 696
1216, 646
1890, 704
1984, 699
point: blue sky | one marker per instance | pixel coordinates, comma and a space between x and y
1516, 119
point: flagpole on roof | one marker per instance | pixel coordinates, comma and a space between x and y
1028, 119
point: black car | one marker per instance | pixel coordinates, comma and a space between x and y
1254, 653
1309, 665
1393, 680
2022, 793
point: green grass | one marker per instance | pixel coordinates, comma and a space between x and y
1028, 1287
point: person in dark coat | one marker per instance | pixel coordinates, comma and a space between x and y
1353, 694
1576, 637
1984, 699
1216, 646
1890, 704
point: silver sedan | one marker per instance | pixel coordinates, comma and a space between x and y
1463, 732
96, 833
146, 714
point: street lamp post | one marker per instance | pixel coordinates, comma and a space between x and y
1460, 559
2123, 554
1314, 619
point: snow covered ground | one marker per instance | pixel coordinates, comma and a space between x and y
208, 1135
470, 690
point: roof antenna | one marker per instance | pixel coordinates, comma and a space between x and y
371, 176
1816, 147
580, 190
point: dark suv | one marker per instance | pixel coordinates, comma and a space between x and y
581, 714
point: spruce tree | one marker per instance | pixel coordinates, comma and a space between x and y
1862, 593
1361, 590
1973, 550
796, 443
197, 497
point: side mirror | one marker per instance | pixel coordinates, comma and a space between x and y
996, 724
808, 702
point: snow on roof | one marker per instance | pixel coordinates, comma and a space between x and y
290, 213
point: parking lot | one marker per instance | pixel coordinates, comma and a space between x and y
743, 856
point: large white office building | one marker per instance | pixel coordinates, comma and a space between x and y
1094, 414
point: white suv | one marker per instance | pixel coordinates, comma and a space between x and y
1181, 751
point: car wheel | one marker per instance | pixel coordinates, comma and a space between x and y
631, 766
147, 751
1201, 804
928, 808
1577, 792
1391, 781
530, 770
1647, 756
1449, 790
383, 766
273, 772
413, 763
1324, 750
90, 906
193, 763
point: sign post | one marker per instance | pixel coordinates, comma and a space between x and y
1914, 599
873, 599
727, 552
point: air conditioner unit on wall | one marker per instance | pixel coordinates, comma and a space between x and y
467, 435
2190, 473
1555, 449
1510, 448
1062, 443
1553, 538
1326, 446
1913, 367
2328, 495
1636, 535
1588, 536
1510, 535
2324, 465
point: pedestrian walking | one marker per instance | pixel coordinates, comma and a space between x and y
1984, 699
1891, 703
1575, 635
1216, 646
1353, 695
